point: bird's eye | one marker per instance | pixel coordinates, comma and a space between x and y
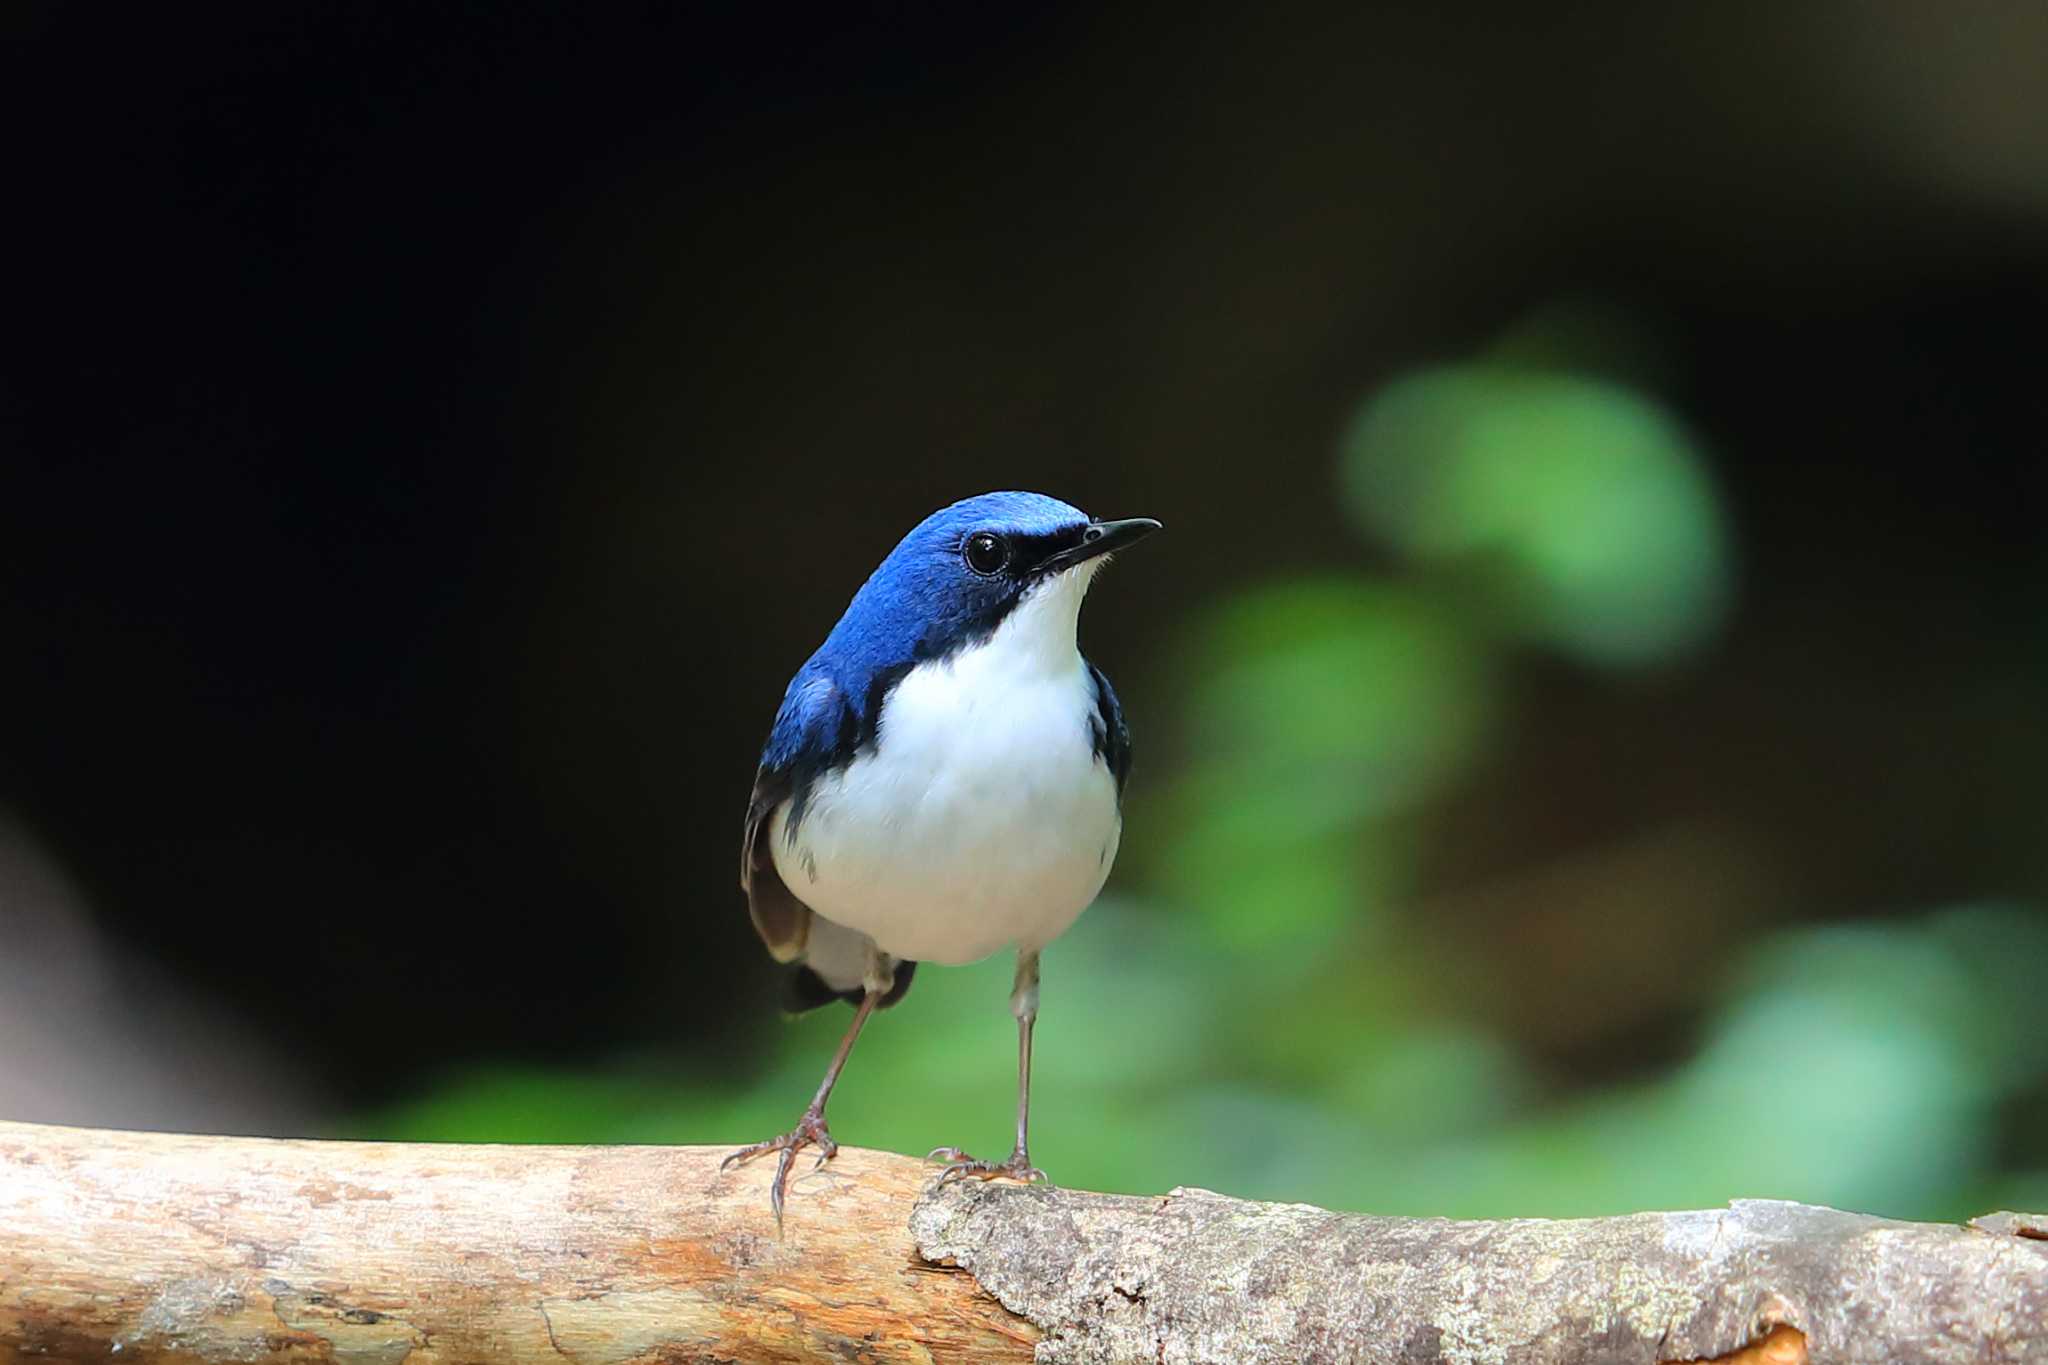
986, 552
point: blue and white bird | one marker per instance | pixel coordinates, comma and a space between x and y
943, 781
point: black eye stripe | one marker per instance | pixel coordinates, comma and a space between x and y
989, 553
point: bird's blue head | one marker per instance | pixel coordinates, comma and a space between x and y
950, 584
965, 568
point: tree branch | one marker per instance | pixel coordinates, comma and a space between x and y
156, 1247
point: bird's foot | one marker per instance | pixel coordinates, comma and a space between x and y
810, 1131
959, 1166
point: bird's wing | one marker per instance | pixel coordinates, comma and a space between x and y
1112, 737
812, 727
782, 921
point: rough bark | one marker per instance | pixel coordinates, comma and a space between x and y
1195, 1276
165, 1247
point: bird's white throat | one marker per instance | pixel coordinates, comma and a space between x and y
983, 817
1040, 634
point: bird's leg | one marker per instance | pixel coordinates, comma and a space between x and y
1023, 1004
810, 1130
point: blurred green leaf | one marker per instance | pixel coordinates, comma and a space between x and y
1317, 707
1336, 674
1584, 504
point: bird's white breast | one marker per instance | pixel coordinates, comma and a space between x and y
983, 817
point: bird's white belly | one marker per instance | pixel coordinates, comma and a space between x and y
982, 818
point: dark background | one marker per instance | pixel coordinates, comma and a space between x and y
435, 433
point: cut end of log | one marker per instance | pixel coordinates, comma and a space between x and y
2032, 1226
1779, 1346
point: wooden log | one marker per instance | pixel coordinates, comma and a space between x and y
166, 1247
163, 1247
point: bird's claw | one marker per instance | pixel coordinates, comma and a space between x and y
960, 1165
810, 1131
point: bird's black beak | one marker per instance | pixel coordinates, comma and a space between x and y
1099, 539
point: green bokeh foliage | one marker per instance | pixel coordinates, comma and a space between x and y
1252, 1010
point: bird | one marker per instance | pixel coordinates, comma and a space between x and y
943, 781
